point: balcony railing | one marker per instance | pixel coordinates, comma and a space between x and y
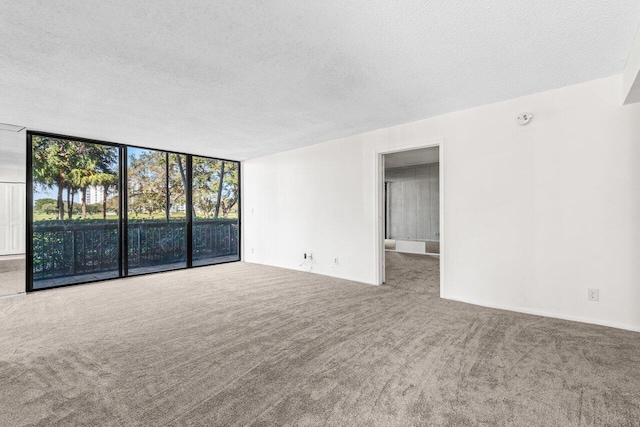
78, 249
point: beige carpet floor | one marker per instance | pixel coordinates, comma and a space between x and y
243, 344
12, 280
413, 272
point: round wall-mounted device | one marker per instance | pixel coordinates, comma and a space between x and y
524, 118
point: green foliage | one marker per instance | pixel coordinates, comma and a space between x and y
45, 206
72, 166
215, 187
94, 209
47, 209
146, 183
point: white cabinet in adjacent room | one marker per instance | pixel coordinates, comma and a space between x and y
12, 218
413, 203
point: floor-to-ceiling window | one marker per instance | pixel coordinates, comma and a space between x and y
100, 210
75, 211
156, 220
216, 195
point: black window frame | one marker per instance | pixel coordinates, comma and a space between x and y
123, 209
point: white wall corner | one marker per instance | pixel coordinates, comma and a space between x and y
631, 74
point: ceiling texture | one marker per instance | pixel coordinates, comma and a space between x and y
241, 79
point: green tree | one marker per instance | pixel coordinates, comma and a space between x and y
215, 187
71, 166
206, 173
45, 206
92, 163
147, 182
113, 205
177, 180
219, 189
106, 181
96, 208
229, 190
52, 165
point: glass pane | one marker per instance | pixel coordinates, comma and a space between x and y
75, 212
177, 187
155, 243
215, 211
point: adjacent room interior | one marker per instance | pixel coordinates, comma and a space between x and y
362, 213
411, 208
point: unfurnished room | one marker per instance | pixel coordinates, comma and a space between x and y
295, 213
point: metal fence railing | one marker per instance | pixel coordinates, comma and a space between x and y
64, 250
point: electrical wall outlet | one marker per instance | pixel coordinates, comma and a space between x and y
335, 261
593, 294
253, 250
308, 256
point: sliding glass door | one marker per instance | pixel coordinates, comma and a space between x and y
215, 197
75, 212
156, 223
99, 211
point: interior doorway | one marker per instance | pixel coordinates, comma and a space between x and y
410, 213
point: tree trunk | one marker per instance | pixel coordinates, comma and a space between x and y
215, 216
84, 203
69, 198
183, 176
73, 195
60, 202
231, 203
104, 202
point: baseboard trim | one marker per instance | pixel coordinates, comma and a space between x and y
553, 315
17, 294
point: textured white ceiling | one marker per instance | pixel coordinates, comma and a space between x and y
240, 79
422, 156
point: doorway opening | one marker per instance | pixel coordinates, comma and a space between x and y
411, 211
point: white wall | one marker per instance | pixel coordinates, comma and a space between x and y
13, 156
631, 74
558, 211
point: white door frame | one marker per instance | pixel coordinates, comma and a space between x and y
379, 223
